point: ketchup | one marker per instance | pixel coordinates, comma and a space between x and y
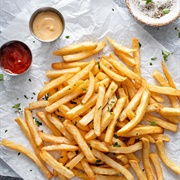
15, 57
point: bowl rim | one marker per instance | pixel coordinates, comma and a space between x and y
127, 2
10, 42
45, 9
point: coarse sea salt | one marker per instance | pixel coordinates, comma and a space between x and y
154, 8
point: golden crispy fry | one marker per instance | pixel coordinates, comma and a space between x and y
98, 145
117, 110
123, 158
162, 137
125, 57
82, 73
61, 177
162, 154
101, 76
73, 162
51, 108
147, 136
28, 153
80, 141
139, 114
137, 169
136, 56
100, 177
113, 164
84, 54
119, 47
45, 120
155, 160
112, 74
54, 139
87, 169
98, 110
57, 73
63, 159
53, 84
56, 165
131, 141
145, 156
164, 90
65, 147
160, 122
38, 104
90, 89
144, 130
32, 127
116, 148
64, 65
104, 171
154, 107
132, 104
75, 48
170, 111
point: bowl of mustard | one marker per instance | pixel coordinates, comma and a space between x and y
46, 24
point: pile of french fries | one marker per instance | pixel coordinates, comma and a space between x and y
100, 113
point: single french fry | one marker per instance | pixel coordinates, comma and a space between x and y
160, 122
125, 57
45, 120
110, 129
162, 137
147, 136
56, 165
154, 107
101, 76
90, 88
104, 171
80, 141
137, 169
32, 127
104, 82
38, 104
124, 70
146, 161
130, 114
170, 111
29, 154
137, 131
100, 177
60, 147
63, 158
75, 48
62, 177
157, 97
131, 141
123, 158
139, 114
119, 47
84, 54
162, 154
98, 145
112, 74
53, 84
59, 125
87, 169
51, 108
136, 56
64, 65
57, 73
164, 90
132, 104
113, 164
98, 110
73, 162
155, 160
125, 150
173, 119
82, 73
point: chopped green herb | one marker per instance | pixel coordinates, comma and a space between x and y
99, 107
112, 9
69, 89
34, 93
46, 96
67, 37
19, 153
29, 80
149, 1
142, 169
5, 130
25, 96
116, 144
175, 28
153, 58
136, 134
90, 147
33, 41
179, 34
116, 136
73, 102
30, 169
166, 11
37, 122
16, 106
76, 152
61, 157
150, 64
99, 67
1, 77
153, 123
140, 45
84, 89
165, 55
109, 109
75, 123
98, 161
118, 97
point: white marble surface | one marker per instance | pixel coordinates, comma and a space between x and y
166, 35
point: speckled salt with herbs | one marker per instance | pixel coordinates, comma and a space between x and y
154, 8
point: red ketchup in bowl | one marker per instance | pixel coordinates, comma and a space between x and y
15, 57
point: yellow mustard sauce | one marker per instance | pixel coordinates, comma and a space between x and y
47, 26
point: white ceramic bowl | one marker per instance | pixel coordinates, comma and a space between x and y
164, 20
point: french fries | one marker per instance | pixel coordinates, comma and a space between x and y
97, 116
